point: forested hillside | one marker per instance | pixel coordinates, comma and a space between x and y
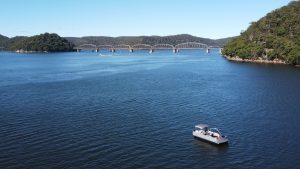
131, 40
274, 37
43, 42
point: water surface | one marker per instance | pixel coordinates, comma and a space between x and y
137, 110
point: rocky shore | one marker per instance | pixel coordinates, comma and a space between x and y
259, 60
25, 51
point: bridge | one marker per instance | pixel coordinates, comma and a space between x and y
151, 48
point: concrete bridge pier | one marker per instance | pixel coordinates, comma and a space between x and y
175, 50
207, 50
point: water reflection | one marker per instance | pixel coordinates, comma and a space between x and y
136, 110
202, 145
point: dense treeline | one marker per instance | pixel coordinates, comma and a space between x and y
4, 42
44, 42
275, 36
39, 43
131, 40
52, 42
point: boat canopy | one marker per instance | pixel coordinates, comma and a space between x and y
201, 126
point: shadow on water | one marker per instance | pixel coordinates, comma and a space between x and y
202, 145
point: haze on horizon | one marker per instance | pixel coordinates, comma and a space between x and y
75, 18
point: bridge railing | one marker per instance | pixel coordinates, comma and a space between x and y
176, 48
141, 46
163, 46
191, 45
104, 46
122, 46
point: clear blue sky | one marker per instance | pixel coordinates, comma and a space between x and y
204, 18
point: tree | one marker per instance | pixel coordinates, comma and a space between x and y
276, 35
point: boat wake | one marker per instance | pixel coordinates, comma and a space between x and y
104, 55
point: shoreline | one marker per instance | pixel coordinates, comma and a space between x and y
25, 51
261, 61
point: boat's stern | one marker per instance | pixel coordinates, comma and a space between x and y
222, 140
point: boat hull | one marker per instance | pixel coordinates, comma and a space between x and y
209, 138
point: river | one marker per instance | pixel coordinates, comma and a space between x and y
138, 110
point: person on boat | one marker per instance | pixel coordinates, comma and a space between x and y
205, 130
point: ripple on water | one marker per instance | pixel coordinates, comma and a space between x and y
138, 111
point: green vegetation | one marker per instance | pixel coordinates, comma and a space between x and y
54, 43
275, 36
44, 42
132, 40
3, 42
40, 43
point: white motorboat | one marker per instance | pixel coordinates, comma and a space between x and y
213, 135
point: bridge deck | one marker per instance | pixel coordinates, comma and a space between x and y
175, 48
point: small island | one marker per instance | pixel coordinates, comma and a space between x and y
275, 39
42, 43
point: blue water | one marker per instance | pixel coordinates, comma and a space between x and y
137, 110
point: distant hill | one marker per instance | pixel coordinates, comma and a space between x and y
3, 41
51, 41
3, 38
274, 37
131, 40
40, 43
224, 41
